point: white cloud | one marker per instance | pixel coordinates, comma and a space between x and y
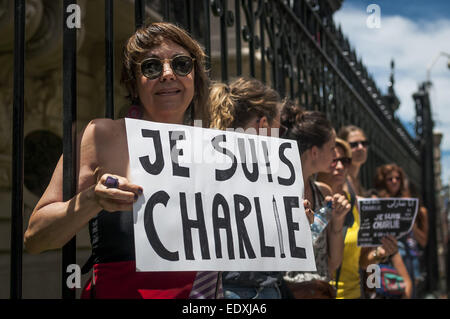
413, 45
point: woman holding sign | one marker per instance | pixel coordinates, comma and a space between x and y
315, 137
391, 181
250, 105
163, 71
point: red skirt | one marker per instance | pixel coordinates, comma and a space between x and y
119, 280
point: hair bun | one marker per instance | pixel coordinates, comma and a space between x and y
291, 113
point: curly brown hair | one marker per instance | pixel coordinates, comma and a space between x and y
151, 35
233, 105
380, 181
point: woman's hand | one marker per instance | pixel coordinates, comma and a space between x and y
389, 247
308, 211
340, 208
115, 193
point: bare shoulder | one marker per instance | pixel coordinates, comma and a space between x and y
324, 189
103, 128
96, 141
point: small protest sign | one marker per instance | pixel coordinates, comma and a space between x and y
380, 217
217, 200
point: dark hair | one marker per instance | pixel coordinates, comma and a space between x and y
345, 131
233, 105
151, 35
380, 180
308, 128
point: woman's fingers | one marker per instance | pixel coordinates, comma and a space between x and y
116, 192
389, 245
340, 204
308, 211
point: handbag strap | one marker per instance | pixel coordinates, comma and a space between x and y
338, 271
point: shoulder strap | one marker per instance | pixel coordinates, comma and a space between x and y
352, 193
338, 271
317, 195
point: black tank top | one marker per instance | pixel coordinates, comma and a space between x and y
112, 237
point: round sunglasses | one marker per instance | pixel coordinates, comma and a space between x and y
181, 65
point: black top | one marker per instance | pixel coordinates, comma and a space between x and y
112, 238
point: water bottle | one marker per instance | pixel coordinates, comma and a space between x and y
321, 219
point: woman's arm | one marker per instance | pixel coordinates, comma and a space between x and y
420, 228
54, 221
341, 207
376, 255
398, 263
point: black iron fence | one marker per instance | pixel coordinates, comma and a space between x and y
291, 45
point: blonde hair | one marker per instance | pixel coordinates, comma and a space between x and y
326, 177
233, 105
345, 146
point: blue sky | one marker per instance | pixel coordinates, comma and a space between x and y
413, 33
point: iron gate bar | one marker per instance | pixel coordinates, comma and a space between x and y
109, 58
190, 16
139, 13
69, 136
262, 18
18, 159
207, 38
250, 17
166, 10
422, 101
237, 19
223, 12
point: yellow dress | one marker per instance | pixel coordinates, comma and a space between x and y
349, 282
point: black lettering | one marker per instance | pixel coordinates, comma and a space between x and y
243, 238
289, 203
188, 224
266, 251
160, 197
177, 170
266, 158
253, 176
222, 223
286, 181
223, 175
156, 167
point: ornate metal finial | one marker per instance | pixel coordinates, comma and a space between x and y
391, 98
391, 78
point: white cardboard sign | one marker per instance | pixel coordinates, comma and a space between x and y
217, 200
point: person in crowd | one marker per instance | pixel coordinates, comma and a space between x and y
315, 137
248, 104
359, 145
391, 181
347, 278
394, 260
164, 73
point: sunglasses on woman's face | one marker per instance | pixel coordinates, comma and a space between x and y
181, 65
356, 144
391, 179
346, 161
